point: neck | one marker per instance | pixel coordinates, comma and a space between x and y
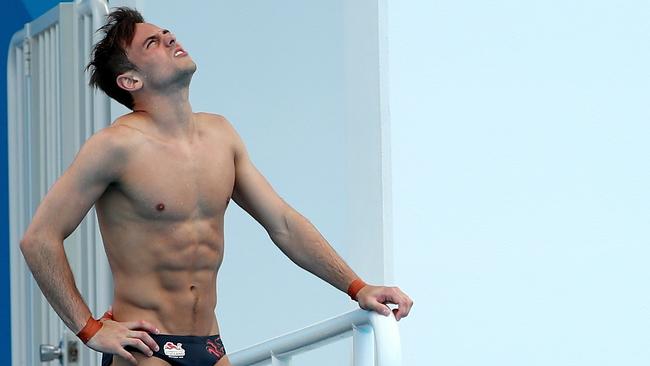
171, 112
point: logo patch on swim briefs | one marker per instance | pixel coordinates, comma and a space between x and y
215, 347
174, 350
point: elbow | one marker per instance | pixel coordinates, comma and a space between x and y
27, 243
282, 228
31, 241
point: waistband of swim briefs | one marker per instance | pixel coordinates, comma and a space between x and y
182, 338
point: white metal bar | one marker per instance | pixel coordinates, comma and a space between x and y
385, 336
100, 112
280, 361
58, 129
15, 103
42, 328
44, 21
388, 348
50, 161
57, 103
363, 347
12, 134
98, 10
28, 189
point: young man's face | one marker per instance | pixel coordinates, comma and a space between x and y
161, 61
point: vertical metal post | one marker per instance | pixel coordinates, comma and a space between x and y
363, 346
388, 349
280, 361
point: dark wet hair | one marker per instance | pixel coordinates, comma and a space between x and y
108, 58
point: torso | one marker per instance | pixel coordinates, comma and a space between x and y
162, 226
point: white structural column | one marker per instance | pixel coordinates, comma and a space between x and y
368, 160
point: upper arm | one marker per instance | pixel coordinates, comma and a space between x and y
97, 164
253, 193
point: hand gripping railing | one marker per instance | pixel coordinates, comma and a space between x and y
375, 341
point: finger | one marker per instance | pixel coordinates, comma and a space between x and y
146, 338
409, 305
404, 307
390, 295
401, 308
394, 295
126, 355
143, 325
134, 342
379, 308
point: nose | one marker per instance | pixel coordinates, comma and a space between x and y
169, 38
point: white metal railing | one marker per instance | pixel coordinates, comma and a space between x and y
375, 338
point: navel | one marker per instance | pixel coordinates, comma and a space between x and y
160, 207
195, 306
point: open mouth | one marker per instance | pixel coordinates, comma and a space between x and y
179, 53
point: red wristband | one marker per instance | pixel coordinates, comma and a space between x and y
89, 330
354, 287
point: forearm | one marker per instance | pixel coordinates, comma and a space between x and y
306, 247
47, 260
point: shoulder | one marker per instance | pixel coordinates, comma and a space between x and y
214, 120
111, 147
221, 125
118, 138
226, 131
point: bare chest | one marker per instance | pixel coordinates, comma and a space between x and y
179, 182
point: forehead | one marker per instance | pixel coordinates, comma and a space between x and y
142, 31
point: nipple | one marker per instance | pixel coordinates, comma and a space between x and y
160, 207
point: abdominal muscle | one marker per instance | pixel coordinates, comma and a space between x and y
165, 271
187, 308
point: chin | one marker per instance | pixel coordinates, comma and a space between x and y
189, 68
193, 67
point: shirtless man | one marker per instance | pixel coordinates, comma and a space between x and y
161, 178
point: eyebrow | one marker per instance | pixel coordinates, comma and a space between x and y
144, 43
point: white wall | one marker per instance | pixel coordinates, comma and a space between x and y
293, 83
521, 201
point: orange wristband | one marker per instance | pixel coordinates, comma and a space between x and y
89, 330
354, 287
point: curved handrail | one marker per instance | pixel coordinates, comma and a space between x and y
385, 332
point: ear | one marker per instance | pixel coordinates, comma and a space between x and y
129, 81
